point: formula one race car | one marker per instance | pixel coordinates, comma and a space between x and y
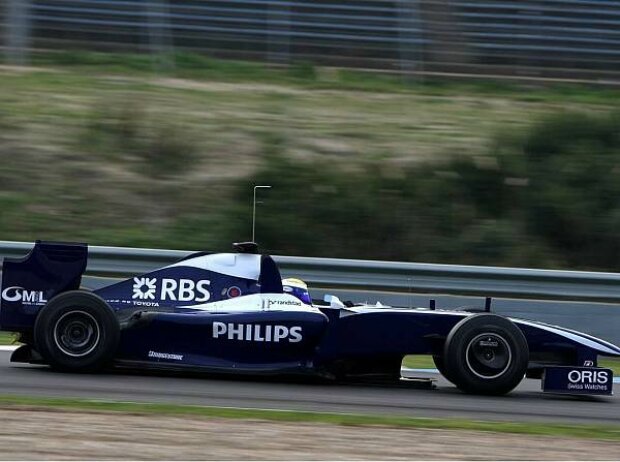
229, 313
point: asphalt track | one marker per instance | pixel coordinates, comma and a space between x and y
526, 403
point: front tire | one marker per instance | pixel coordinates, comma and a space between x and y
486, 354
441, 367
77, 332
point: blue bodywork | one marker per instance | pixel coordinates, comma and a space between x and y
228, 312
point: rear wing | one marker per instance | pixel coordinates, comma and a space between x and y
29, 282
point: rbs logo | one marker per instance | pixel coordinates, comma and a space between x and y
182, 290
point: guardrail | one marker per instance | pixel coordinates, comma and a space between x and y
571, 40
380, 275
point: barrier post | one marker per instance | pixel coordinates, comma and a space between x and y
18, 32
160, 42
278, 32
410, 55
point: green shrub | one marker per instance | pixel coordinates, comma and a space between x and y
575, 187
123, 132
547, 196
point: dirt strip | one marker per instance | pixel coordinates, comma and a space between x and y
43, 434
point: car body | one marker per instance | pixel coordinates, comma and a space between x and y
227, 312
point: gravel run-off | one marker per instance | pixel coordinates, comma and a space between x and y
33, 433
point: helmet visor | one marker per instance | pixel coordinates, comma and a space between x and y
301, 294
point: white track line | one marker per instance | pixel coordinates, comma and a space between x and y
9, 347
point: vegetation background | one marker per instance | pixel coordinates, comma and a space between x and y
100, 148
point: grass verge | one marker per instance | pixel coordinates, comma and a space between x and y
7, 338
202, 67
426, 362
608, 432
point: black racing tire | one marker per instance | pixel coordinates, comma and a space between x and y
441, 367
486, 354
77, 332
473, 310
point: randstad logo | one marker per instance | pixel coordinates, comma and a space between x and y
29, 297
183, 290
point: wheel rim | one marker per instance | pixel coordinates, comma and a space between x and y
488, 355
76, 333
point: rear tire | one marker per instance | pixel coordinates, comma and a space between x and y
77, 332
486, 354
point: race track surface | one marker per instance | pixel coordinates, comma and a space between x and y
526, 403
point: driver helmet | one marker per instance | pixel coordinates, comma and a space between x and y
297, 288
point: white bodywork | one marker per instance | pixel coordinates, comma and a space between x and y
240, 265
256, 302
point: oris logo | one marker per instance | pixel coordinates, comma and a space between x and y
182, 290
17, 294
257, 332
598, 377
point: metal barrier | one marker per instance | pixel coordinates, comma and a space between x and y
580, 34
566, 39
380, 275
334, 31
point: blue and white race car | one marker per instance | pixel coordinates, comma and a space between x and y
230, 312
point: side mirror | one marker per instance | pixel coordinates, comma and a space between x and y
334, 302
245, 247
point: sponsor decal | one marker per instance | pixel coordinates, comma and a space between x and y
594, 376
233, 292
182, 290
159, 355
147, 304
578, 380
588, 363
257, 332
27, 297
144, 288
132, 303
267, 304
588, 380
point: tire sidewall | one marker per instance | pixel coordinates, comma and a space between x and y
455, 354
441, 367
92, 306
